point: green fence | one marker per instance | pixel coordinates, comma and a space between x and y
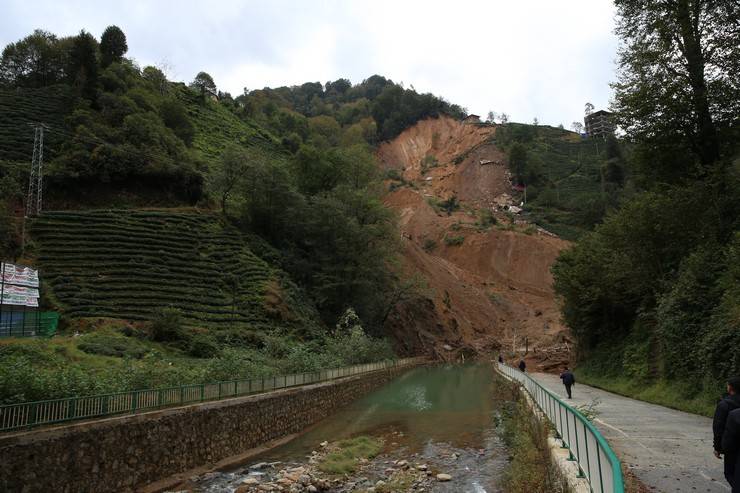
29, 414
596, 460
28, 324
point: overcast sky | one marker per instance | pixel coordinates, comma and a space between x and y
528, 58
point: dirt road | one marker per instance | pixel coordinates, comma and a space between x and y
668, 450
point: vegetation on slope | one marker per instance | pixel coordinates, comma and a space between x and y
302, 231
653, 294
571, 181
129, 264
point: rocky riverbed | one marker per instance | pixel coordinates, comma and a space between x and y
436, 468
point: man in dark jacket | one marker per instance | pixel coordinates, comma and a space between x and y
522, 365
731, 449
726, 406
568, 380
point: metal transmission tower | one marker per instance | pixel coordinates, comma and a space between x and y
35, 181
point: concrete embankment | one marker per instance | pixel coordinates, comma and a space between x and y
127, 453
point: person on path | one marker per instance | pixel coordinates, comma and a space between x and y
568, 380
522, 366
731, 449
725, 407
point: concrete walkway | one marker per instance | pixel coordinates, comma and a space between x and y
668, 450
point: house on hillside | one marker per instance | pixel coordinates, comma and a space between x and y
472, 119
599, 124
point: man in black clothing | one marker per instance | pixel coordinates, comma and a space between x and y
731, 449
727, 406
568, 380
522, 365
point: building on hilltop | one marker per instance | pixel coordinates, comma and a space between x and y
472, 119
599, 124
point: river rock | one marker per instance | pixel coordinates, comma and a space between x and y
312, 489
251, 481
443, 477
422, 467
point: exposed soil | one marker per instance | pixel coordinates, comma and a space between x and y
493, 291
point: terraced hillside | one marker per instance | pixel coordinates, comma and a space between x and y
217, 127
129, 264
569, 192
22, 107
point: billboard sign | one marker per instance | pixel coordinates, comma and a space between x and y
19, 295
18, 275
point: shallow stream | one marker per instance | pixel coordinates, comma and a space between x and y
441, 416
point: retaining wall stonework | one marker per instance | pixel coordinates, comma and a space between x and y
126, 453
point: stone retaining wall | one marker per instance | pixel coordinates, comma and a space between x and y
126, 453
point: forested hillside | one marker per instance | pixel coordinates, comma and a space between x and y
653, 294
191, 229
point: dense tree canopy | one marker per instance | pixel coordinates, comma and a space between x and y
656, 284
678, 93
112, 45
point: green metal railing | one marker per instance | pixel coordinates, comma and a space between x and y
597, 462
29, 324
29, 414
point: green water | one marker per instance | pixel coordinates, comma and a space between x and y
451, 404
439, 415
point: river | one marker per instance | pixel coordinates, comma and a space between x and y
440, 416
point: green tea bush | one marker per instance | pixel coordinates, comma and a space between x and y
109, 345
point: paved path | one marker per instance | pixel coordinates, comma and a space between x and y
668, 450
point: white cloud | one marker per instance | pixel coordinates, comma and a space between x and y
528, 58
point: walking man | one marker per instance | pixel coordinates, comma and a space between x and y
731, 449
568, 380
522, 366
727, 406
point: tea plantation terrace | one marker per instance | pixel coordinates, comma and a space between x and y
129, 264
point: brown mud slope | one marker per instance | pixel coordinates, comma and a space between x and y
495, 289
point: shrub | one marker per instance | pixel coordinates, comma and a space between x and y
203, 346
454, 240
450, 205
109, 345
486, 219
166, 326
429, 245
428, 163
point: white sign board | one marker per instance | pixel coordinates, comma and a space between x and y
18, 275
19, 295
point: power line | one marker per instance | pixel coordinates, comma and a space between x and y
35, 180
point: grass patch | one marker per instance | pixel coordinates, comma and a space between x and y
400, 482
530, 469
348, 453
676, 395
454, 240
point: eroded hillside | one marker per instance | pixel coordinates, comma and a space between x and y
486, 273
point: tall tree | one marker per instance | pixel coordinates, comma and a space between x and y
83, 63
679, 76
112, 45
34, 61
228, 177
204, 84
